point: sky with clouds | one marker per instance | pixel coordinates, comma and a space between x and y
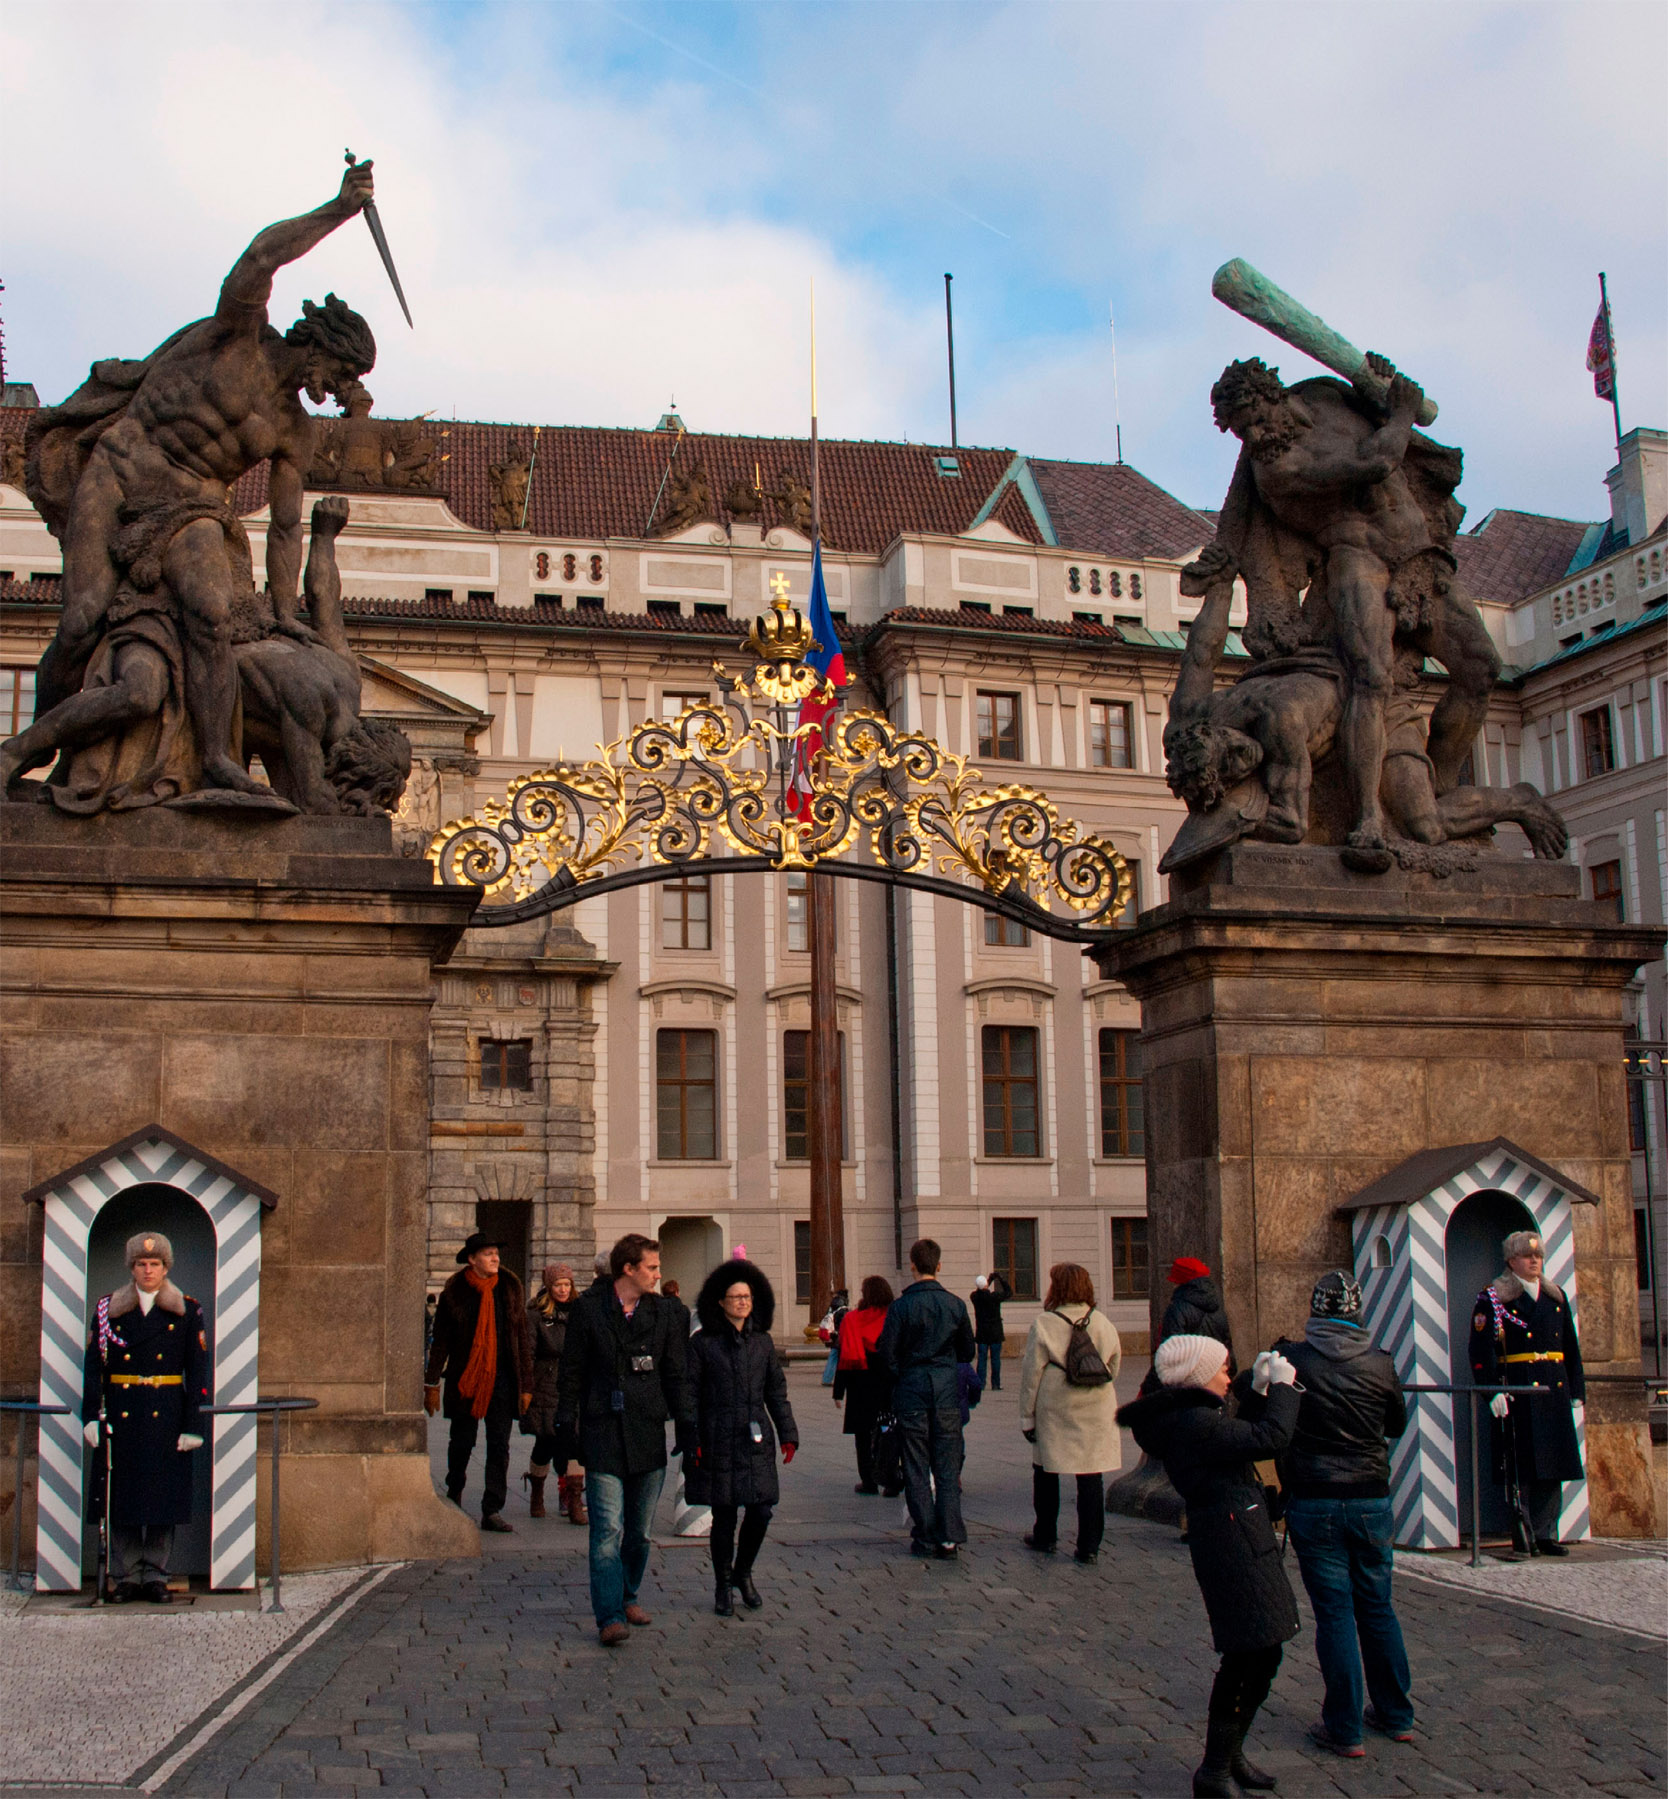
597, 208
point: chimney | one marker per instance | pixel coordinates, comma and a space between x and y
1639, 484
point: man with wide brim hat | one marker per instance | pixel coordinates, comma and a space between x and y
147, 1367
481, 1355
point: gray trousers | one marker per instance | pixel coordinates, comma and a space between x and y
140, 1552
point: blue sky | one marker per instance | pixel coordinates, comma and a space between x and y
597, 207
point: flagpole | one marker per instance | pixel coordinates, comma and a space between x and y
1610, 345
822, 1122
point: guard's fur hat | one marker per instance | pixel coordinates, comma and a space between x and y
709, 1307
1523, 1243
150, 1243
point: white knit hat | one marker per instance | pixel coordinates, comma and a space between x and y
1185, 1361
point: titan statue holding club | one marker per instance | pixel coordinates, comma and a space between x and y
134, 475
1340, 519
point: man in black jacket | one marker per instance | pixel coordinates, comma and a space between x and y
622, 1379
481, 1358
989, 1291
1336, 1475
926, 1334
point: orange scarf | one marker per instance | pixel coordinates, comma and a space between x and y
480, 1373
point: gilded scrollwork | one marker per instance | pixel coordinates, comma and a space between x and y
672, 792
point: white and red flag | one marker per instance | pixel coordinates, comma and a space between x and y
1601, 355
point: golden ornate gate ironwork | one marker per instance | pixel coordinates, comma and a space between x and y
670, 795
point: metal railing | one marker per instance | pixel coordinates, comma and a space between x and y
273, 1407
23, 1407
1474, 1394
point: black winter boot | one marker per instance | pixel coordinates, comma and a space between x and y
1213, 1778
722, 1603
1249, 1776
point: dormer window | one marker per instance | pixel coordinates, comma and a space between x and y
948, 466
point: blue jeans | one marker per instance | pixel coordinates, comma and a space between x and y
994, 1352
1345, 1555
622, 1516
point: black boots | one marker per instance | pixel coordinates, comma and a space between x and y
1213, 1778
1250, 1777
742, 1581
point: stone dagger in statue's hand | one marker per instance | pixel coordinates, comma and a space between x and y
381, 242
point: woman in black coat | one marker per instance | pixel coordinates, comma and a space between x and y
1209, 1458
548, 1314
740, 1393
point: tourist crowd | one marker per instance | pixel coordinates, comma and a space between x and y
596, 1377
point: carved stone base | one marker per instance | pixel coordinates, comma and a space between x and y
261, 987
1307, 1029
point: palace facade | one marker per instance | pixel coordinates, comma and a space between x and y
639, 1061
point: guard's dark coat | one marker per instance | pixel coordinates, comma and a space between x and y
1209, 1458
642, 1359
454, 1337
150, 1479
1542, 1424
739, 1388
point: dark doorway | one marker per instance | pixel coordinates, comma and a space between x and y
152, 1206
510, 1222
1476, 1229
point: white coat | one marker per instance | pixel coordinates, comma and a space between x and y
1077, 1427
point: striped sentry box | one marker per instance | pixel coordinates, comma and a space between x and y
72, 1201
1407, 1313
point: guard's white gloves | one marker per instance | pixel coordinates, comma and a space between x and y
188, 1441
1500, 1405
1259, 1371
1281, 1373
1579, 1408
89, 1433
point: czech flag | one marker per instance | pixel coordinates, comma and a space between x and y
829, 661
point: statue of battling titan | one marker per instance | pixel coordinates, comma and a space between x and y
140, 691
1340, 519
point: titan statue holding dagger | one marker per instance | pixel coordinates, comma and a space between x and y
133, 473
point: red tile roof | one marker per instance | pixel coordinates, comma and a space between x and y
1512, 554
1108, 509
589, 483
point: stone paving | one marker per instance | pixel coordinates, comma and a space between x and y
870, 1672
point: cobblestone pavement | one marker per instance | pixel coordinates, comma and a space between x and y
870, 1672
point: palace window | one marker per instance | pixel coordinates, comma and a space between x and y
17, 700
1010, 1090
1122, 1117
1006, 933
686, 913
998, 721
686, 1096
1110, 737
1014, 1254
506, 1065
799, 910
1129, 1258
1132, 910
1607, 887
671, 704
1635, 1063
796, 1096
1598, 748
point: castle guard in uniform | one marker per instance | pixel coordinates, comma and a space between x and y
1523, 1335
146, 1377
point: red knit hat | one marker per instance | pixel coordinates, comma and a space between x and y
1187, 1268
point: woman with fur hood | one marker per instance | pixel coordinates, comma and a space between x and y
741, 1400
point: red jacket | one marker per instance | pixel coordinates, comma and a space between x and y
859, 1333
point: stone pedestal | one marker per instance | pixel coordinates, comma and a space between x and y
262, 990
1307, 1029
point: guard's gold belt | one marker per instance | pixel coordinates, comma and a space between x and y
1538, 1355
147, 1380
